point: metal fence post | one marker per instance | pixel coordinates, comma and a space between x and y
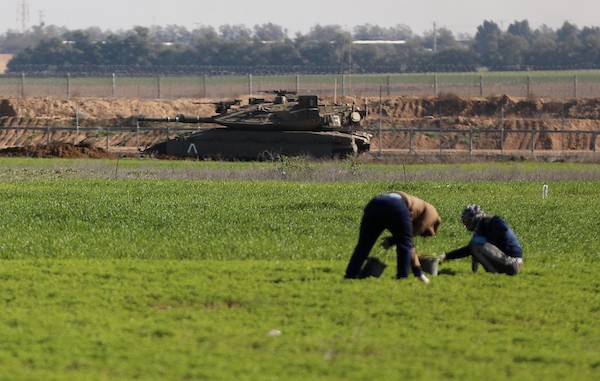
137, 134
435, 85
107, 138
574, 86
114, 84
297, 83
158, 90
204, 85
380, 116
471, 140
250, 84
528, 86
68, 86
480, 85
22, 85
388, 86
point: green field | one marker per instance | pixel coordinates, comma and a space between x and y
215, 271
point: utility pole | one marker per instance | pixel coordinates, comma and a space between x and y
23, 14
434, 38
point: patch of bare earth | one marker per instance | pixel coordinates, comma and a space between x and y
445, 112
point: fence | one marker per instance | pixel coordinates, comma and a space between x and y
388, 141
558, 85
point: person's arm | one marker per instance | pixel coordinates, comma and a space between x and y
455, 254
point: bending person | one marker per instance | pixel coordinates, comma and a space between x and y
405, 216
494, 244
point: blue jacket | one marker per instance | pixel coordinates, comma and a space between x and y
496, 231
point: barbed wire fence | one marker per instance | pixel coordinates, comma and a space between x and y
386, 142
161, 86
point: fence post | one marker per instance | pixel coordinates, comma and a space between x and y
204, 86
114, 84
22, 85
502, 127
435, 85
159, 92
68, 86
48, 132
388, 86
380, 115
137, 134
107, 138
410, 140
335, 90
470, 140
343, 85
575, 86
250, 84
528, 86
480, 85
297, 83
532, 140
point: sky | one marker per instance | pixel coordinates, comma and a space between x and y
459, 16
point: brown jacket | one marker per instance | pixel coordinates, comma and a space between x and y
424, 216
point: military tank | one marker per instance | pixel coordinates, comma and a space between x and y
286, 125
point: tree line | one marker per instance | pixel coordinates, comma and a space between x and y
267, 48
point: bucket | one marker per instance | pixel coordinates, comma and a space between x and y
373, 267
430, 265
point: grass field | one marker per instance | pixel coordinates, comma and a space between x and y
154, 272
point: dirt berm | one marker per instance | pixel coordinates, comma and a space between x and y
445, 112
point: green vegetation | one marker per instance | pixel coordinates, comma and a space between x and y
175, 278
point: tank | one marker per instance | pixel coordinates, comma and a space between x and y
286, 125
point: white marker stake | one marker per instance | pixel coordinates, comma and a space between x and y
545, 191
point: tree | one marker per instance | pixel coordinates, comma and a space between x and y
590, 50
270, 32
486, 44
568, 44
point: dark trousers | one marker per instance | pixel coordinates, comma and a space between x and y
386, 211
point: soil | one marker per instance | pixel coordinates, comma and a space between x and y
445, 112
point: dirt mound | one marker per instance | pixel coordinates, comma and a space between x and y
518, 118
58, 150
91, 112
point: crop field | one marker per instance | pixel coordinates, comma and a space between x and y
148, 270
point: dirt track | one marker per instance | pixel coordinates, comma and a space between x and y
444, 112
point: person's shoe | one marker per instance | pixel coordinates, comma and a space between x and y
423, 278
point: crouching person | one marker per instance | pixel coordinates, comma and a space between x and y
494, 244
405, 216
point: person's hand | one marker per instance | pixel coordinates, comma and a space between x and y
387, 242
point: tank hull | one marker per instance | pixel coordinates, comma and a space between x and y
224, 143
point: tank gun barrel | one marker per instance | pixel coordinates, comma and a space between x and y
279, 92
179, 118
